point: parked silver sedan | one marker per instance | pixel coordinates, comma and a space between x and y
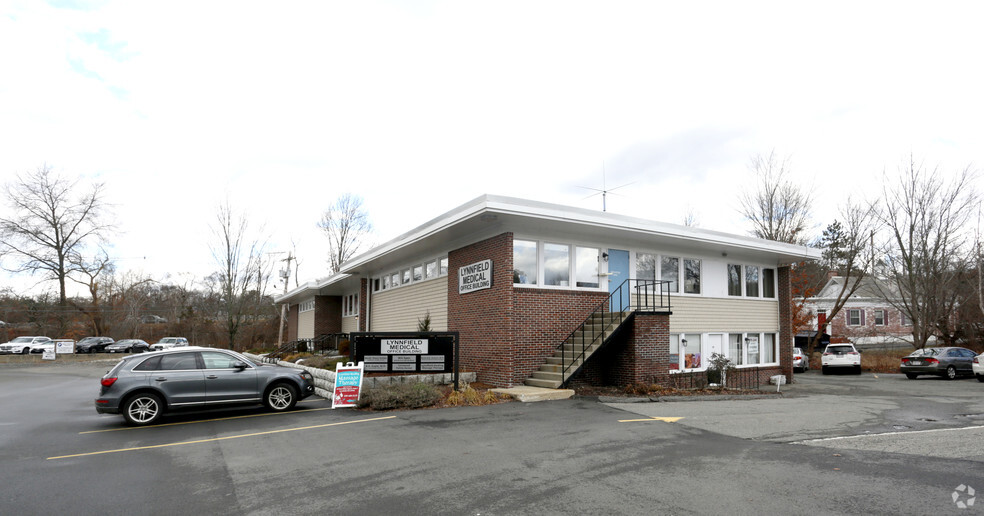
948, 362
143, 387
801, 361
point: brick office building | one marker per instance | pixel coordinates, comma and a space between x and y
517, 278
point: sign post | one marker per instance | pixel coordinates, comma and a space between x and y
348, 385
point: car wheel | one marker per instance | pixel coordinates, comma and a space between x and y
25, 351
980, 378
911, 376
281, 397
951, 373
128, 350
143, 409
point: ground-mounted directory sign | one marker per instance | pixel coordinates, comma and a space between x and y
348, 384
408, 353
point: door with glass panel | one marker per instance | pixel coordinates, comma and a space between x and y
618, 272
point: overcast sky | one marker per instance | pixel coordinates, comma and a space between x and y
418, 107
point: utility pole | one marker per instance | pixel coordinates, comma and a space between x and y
285, 276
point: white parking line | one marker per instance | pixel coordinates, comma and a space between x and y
886, 433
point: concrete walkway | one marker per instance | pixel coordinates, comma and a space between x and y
526, 393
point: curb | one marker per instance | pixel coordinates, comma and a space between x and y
684, 399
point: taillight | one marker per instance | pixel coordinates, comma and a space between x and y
905, 360
932, 361
107, 382
976, 361
853, 353
797, 357
827, 354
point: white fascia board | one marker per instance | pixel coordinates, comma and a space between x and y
309, 289
522, 208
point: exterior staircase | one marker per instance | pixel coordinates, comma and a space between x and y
577, 349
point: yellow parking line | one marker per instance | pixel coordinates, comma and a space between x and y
663, 419
202, 421
220, 438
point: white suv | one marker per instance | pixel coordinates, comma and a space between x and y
23, 345
169, 342
841, 356
978, 366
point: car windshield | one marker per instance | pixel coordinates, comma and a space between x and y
168, 340
839, 349
22, 339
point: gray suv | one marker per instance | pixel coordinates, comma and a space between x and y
143, 387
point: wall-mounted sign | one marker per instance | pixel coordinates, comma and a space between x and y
348, 384
753, 345
477, 276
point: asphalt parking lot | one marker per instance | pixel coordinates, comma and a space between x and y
825, 447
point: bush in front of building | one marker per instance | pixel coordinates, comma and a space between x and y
401, 396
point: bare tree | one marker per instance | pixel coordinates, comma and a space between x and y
52, 219
848, 253
93, 274
928, 244
778, 209
240, 260
346, 223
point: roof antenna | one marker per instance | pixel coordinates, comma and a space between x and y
604, 189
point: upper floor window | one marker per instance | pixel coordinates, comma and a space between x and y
350, 305
554, 264
524, 262
306, 306
734, 280
751, 281
768, 283
645, 266
691, 276
669, 270
586, 266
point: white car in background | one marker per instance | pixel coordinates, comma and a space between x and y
978, 366
169, 342
840, 356
23, 345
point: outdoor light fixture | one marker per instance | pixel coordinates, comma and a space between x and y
747, 340
604, 256
683, 342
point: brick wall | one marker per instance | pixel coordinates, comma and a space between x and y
363, 312
292, 312
784, 287
542, 319
327, 315
839, 324
483, 318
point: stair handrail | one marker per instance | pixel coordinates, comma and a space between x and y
647, 293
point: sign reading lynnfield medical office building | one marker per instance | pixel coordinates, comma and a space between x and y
477, 276
392, 352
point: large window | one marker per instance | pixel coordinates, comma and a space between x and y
692, 354
768, 348
768, 283
674, 351
586, 267
734, 280
736, 348
879, 318
669, 270
556, 265
350, 305
524, 262
751, 281
645, 266
691, 276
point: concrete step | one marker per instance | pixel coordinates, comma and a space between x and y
529, 393
546, 384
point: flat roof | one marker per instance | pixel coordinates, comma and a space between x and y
489, 215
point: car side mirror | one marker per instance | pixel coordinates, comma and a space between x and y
239, 365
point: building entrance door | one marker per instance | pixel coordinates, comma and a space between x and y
618, 272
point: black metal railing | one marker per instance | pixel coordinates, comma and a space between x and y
746, 378
324, 344
631, 297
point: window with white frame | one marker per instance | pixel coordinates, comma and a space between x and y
418, 273
350, 305
524, 262
734, 279
645, 266
555, 264
736, 348
905, 319
855, 317
669, 270
306, 306
769, 283
674, 351
406, 276
751, 281
693, 353
430, 269
691, 276
879, 318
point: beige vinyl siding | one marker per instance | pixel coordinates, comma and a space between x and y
399, 309
350, 324
305, 325
702, 314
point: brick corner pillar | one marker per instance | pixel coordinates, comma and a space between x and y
785, 322
483, 318
363, 305
646, 356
